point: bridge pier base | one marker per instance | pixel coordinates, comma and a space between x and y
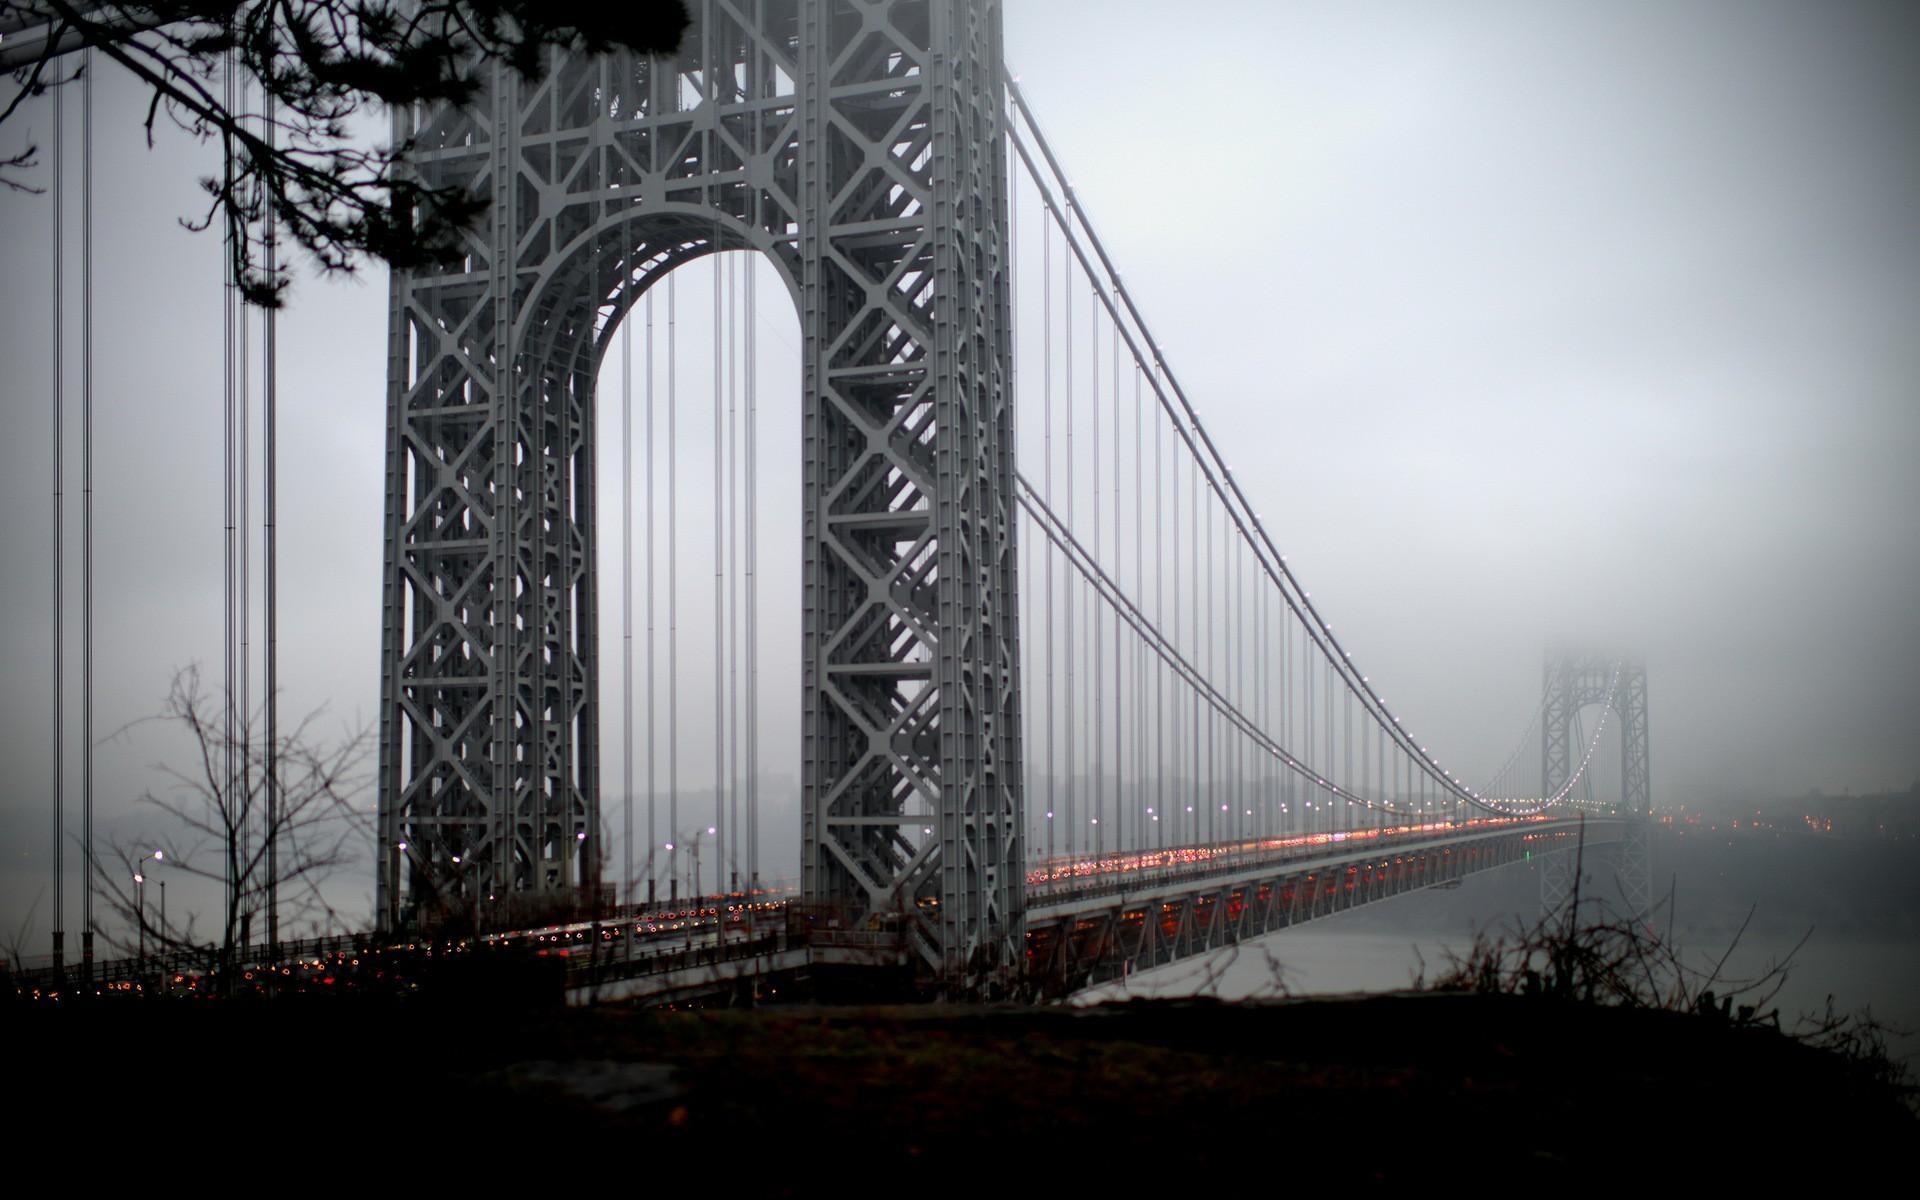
1630, 862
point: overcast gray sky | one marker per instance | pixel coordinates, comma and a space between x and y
1523, 319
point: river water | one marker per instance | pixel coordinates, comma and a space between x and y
1857, 906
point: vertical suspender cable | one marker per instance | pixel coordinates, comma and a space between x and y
1364, 785
1073, 827
1193, 549
1289, 802
1213, 762
1306, 726
1219, 630
1295, 793
626, 610
1140, 587
1095, 611
1046, 401
1230, 678
1323, 696
243, 444
1215, 610
1179, 742
86, 514
1239, 684
673, 601
753, 595
1325, 747
1119, 692
59, 558
653, 843
1030, 618
1160, 667
1283, 786
1237, 663
733, 574
1334, 810
1380, 772
227, 607
1354, 763
1262, 646
1283, 712
244, 814
270, 552
719, 581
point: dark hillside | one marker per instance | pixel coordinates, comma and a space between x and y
1401, 1089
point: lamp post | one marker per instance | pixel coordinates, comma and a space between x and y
140, 917
140, 905
460, 894
673, 881
697, 835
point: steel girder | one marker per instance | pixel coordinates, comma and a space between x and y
1630, 860
1572, 682
858, 144
1556, 881
911, 792
1071, 944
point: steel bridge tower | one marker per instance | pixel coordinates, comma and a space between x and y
858, 144
1572, 682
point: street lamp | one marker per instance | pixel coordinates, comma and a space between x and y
140, 917
697, 834
140, 904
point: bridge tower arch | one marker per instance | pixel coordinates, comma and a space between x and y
1573, 681
860, 145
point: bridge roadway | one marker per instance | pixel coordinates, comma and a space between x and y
1088, 919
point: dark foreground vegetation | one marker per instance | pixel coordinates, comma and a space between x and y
1579, 1051
1465, 1088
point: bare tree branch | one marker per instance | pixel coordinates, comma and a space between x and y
316, 65
219, 824
1584, 953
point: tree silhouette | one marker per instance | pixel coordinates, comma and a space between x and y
317, 63
225, 825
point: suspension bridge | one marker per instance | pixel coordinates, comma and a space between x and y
1064, 707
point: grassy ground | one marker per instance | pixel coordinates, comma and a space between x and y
1379, 1089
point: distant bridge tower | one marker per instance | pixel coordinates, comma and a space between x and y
859, 145
1573, 681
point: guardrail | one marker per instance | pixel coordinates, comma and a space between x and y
606, 968
156, 969
1108, 883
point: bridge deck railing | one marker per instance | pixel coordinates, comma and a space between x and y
184, 961
1282, 853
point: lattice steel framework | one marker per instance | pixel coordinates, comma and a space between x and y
1572, 682
859, 144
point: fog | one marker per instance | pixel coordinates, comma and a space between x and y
1525, 321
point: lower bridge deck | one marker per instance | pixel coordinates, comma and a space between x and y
1086, 931
1088, 921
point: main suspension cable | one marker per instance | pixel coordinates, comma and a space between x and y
1219, 477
